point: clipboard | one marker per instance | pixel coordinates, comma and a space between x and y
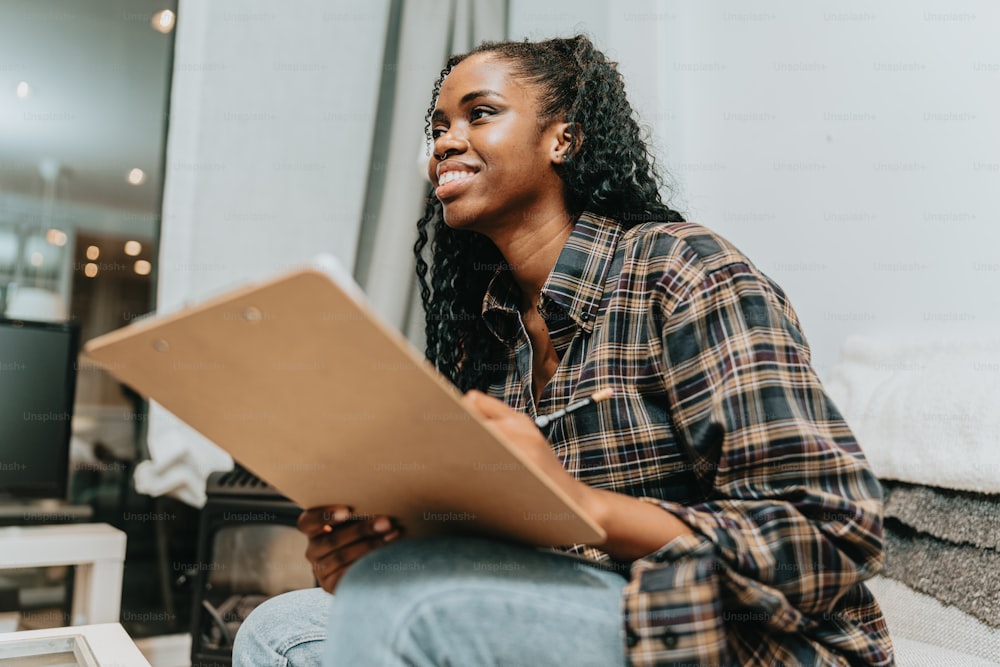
304, 385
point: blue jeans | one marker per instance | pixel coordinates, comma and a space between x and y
446, 601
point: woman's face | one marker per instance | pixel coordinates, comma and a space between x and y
497, 167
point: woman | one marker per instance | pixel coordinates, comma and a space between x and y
741, 517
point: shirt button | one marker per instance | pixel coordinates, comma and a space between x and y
584, 316
669, 639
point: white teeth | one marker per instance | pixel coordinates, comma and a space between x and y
449, 176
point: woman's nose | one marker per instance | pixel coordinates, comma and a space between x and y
450, 142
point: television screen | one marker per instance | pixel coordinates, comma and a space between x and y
37, 386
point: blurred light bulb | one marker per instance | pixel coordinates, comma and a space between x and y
37, 259
93, 252
132, 248
163, 21
23, 90
90, 270
143, 267
56, 237
136, 176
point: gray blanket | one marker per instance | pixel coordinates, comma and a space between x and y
956, 516
965, 576
946, 544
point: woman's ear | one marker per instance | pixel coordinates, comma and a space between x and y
566, 140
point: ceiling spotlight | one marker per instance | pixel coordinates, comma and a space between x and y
37, 259
132, 248
93, 252
23, 90
136, 176
90, 270
163, 21
56, 237
143, 267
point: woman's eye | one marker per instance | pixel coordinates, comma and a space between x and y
480, 112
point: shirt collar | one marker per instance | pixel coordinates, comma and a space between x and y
576, 283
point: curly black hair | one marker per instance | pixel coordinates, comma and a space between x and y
609, 170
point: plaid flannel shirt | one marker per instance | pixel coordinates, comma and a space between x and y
718, 418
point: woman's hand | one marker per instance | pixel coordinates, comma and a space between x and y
337, 539
520, 429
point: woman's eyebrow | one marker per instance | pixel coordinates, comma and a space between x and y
468, 97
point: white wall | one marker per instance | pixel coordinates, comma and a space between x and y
852, 150
271, 121
272, 113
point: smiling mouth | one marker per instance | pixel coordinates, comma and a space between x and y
451, 183
455, 175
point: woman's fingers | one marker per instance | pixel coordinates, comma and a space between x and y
345, 534
332, 566
332, 551
485, 405
318, 520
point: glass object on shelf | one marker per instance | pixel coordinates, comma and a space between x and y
70, 650
99, 645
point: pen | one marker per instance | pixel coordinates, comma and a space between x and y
596, 397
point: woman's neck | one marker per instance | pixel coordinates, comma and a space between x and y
531, 250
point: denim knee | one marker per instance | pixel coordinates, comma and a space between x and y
438, 601
286, 630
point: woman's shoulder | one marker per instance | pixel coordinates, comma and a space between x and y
687, 242
685, 258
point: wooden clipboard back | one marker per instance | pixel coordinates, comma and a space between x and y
304, 385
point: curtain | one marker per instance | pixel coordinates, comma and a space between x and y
422, 34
